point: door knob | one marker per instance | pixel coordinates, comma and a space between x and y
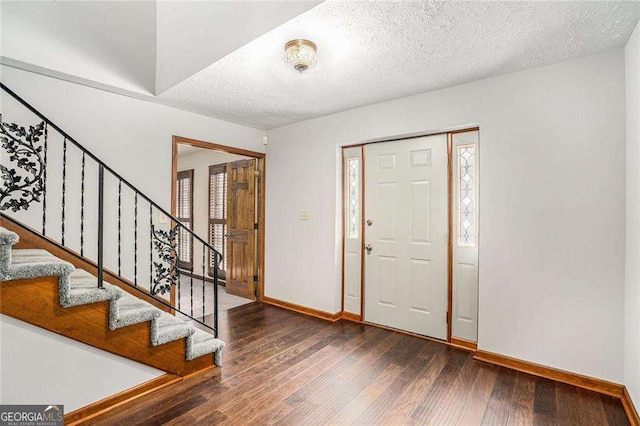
369, 222
227, 235
368, 248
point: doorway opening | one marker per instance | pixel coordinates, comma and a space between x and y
218, 192
410, 235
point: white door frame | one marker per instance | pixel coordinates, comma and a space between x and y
360, 317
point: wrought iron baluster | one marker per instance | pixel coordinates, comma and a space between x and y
178, 276
64, 183
100, 225
191, 286
119, 227
192, 259
23, 184
215, 293
166, 269
135, 241
44, 182
82, 207
150, 246
204, 249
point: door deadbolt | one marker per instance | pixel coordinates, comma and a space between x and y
368, 248
369, 222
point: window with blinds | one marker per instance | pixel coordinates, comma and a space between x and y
184, 213
218, 215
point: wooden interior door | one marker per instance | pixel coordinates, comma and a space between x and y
241, 218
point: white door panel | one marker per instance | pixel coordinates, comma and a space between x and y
406, 271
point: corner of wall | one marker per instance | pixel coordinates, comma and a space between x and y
632, 253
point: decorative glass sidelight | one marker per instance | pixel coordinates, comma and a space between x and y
467, 195
353, 201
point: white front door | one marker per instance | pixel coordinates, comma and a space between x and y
406, 238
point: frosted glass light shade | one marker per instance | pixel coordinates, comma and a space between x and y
300, 54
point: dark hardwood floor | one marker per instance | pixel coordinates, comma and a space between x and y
281, 367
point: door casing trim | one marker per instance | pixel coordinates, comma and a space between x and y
261, 157
363, 145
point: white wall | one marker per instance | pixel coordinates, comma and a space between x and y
61, 370
551, 206
632, 278
200, 161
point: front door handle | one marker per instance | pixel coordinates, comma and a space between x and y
368, 248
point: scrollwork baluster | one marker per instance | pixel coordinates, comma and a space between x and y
23, 184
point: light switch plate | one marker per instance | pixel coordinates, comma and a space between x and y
304, 214
163, 218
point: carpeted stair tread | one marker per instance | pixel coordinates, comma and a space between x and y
7, 238
202, 343
31, 252
168, 328
83, 279
129, 310
40, 267
18, 258
84, 289
33, 263
79, 287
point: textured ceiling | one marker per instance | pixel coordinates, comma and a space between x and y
370, 52
192, 35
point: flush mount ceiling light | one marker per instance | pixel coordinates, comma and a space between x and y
300, 54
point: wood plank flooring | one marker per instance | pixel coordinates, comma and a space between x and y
281, 367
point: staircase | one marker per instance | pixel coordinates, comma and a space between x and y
23, 271
48, 279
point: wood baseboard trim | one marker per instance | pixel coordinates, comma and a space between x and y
585, 382
351, 317
101, 407
463, 344
629, 408
302, 309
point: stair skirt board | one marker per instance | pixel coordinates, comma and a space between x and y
41, 289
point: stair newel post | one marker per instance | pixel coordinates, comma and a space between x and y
204, 250
215, 293
100, 224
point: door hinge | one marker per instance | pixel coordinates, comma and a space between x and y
447, 317
255, 278
255, 226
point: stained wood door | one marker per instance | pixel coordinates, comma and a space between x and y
241, 217
406, 235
